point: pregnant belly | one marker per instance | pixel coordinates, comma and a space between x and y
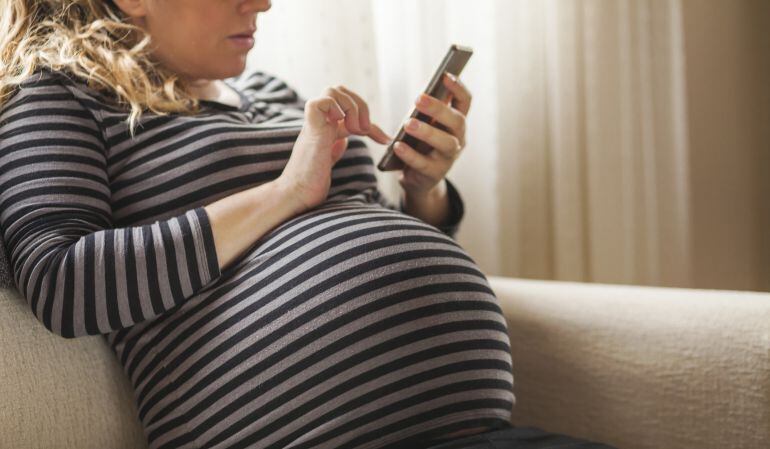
351, 326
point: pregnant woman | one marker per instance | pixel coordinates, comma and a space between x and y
228, 238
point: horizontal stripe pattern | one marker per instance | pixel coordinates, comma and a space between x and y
351, 325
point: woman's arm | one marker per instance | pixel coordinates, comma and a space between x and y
239, 220
79, 273
448, 209
432, 208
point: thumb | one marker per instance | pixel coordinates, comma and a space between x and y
323, 111
338, 149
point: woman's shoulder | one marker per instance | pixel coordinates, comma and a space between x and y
257, 80
44, 77
42, 86
264, 86
63, 84
38, 81
45, 102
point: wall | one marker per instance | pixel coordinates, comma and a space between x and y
728, 97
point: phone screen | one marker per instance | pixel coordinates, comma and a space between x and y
454, 61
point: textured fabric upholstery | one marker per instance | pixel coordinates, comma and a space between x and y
640, 367
59, 392
634, 367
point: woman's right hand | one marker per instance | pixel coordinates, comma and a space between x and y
329, 120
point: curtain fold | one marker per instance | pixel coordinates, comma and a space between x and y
577, 134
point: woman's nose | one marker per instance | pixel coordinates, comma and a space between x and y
246, 6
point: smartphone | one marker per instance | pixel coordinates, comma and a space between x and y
454, 62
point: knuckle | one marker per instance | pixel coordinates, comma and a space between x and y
459, 119
352, 94
318, 101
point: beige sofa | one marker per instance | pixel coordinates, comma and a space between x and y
634, 367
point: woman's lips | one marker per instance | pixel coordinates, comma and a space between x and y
242, 41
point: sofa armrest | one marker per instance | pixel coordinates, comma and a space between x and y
640, 367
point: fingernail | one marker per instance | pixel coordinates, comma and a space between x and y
412, 125
422, 101
451, 77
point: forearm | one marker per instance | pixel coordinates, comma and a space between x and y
432, 208
239, 220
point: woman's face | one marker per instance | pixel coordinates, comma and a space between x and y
193, 37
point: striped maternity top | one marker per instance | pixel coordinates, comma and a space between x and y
351, 325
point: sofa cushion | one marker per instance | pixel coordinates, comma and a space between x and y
60, 392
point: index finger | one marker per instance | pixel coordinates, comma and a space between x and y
372, 130
461, 95
363, 108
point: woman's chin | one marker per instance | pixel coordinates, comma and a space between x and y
240, 64
233, 67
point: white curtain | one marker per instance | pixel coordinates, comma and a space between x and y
576, 159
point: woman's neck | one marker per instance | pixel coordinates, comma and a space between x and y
215, 90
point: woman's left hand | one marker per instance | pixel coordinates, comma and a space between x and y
423, 172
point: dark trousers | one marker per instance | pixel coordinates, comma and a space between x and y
519, 438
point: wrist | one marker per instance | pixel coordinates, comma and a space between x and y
435, 194
288, 196
431, 206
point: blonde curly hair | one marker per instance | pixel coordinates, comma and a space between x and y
93, 40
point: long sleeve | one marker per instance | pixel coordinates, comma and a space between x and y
79, 274
6, 280
264, 87
456, 209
